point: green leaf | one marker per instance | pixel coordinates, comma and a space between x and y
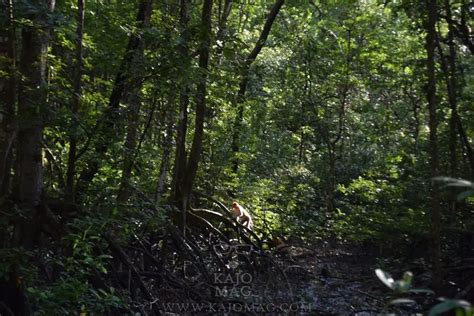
461, 196
448, 305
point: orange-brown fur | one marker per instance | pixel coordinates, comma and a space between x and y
242, 215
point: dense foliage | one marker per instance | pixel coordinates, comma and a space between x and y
329, 120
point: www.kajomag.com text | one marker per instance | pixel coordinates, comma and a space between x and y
176, 307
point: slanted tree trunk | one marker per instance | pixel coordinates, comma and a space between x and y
244, 73
224, 12
461, 27
76, 103
133, 115
7, 97
430, 25
123, 84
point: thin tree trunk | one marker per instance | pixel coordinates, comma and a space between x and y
160, 185
461, 28
7, 100
455, 120
185, 169
76, 104
332, 141
301, 146
165, 160
179, 166
224, 13
122, 84
448, 67
331, 181
201, 91
244, 73
431, 9
466, 143
133, 115
223, 17
452, 96
167, 145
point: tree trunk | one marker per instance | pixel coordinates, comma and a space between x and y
224, 12
28, 181
466, 143
7, 98
455, 120
31, 104
185, 170
331, 180
334, 141
244, 73
133, 115
201, 91
167, 145
160, 185
179, 166
461, 28
431, 9
76, 104
448, 66
129, 147
122, 86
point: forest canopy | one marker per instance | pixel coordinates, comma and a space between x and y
151, 149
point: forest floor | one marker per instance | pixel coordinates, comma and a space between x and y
326, 277
337, 278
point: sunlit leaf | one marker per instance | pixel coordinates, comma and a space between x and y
385, 278
402, 301
421, 291
454, 182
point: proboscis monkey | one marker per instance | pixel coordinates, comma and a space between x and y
242, 215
